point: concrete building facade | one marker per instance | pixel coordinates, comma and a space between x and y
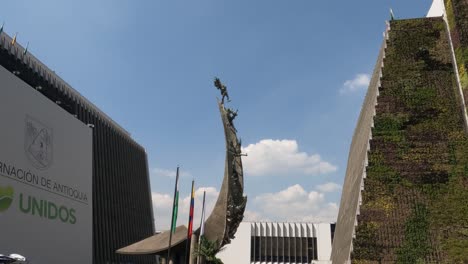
122, 211
279, 242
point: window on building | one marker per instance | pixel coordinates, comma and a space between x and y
298, 249
312, 248
304, 252
286, 250
292, 249
268, 249
257, 249
281, 249
263, 249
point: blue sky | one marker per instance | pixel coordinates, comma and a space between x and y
296, 70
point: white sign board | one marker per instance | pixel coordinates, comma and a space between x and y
45, 178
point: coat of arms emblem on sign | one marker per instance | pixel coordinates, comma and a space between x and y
38, 143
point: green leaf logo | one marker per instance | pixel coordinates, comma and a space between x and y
6, 197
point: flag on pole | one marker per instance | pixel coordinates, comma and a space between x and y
13, 41
192, 204
1, 29
392, 16
202, 221
175, 206
190, 223
26, 49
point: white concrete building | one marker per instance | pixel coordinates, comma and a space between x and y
437, 9
277, 242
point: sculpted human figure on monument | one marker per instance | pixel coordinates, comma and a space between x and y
231, 115
223, 89
235, 151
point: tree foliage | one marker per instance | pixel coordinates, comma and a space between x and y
208, 250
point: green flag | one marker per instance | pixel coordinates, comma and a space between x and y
174, 211
392, 16
175, 206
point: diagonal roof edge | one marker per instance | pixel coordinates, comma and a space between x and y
155, 244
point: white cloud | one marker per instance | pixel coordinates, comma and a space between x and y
161, 201
162, 206
360, 82
282, 157
251, 216
328, 187
158, 172
294, 204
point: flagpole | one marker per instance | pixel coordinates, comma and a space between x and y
202, 220
190, 225
202, 225
172, 219
13, 41
26, 50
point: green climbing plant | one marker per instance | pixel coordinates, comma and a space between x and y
416, 246
208, 250
366, 244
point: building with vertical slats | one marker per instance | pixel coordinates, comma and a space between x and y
122, 207
280, 242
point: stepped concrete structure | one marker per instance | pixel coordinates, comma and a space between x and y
405, 195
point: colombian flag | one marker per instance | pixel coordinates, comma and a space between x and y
190, 223
192, 203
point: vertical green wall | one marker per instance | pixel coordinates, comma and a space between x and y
415, 202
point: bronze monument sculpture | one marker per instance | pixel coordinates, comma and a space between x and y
228, 212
